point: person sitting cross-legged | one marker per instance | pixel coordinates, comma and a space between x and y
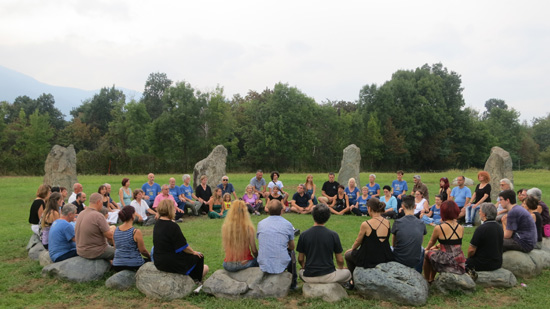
62, 243
316, 247
301, 201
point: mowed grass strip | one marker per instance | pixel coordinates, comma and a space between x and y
21, 283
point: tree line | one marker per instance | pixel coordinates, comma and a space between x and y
417, 121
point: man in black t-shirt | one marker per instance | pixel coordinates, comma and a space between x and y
330, 188
485, 251
79, 202
301, 201
316, 247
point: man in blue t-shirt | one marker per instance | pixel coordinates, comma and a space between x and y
151, 189
461, 196
175, 191
520, 231
187, 196
61, 239
399, 188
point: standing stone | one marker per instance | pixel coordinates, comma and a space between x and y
60, 167
499, 166
212, 166
468, 182
349, 168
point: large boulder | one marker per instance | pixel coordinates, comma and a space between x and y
34, 240
349, 167
162, 285
330, 292
122, 280
447, 282
392, 282
468, 182
212, 166
545, 244
77, 269
520, 264
500, 278
34, 252
541, 258
60, 167
44, 258
499, 165
247, 283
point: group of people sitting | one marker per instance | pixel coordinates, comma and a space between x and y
72, 228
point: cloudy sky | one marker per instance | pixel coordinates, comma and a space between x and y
328, 49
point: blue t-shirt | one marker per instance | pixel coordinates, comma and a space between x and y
399, 186
187, 191
460, 195
151, 191
391, 204
59, 242
352, 195
436, 213
175, 192
362, 204
373, 190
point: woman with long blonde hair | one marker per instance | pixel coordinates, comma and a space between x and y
238, 238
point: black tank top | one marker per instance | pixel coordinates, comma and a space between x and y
373, 251
448, 241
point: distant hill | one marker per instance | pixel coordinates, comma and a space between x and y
14, 84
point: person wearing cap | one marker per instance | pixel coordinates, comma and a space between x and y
420, 186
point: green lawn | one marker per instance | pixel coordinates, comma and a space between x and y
21, 284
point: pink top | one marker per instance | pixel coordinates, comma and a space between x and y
161, 197
250, 200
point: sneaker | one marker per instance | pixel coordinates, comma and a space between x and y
468, 225
197, 290
348, 285
296, 232
257, 213
180, 220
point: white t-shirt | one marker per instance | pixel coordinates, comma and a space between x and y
419, 206
140, 209
72, 198
272, 184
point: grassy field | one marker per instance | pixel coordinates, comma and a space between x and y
21, 283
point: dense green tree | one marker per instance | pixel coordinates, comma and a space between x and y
155, 87
541, 131
34, 144
504, 126
97, 112
374, 141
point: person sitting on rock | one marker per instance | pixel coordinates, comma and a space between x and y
520, 231
408, 235
37, 208
144, 214
530, 203
92, 232
79, 202
51, 213
301, 201
448, 255
129, 245
77, 188
171, 251
238, 238
485, 251
542, 209
62, 238
165, 195
372, 245
316, 248
276, 243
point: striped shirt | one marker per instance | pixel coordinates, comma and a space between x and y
126, 252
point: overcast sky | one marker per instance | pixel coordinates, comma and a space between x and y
327, 49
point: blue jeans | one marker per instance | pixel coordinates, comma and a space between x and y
471, 214
236, 266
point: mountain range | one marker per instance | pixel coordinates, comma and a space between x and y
14, 84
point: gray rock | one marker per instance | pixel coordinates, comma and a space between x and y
34, 252
44, 258
392, 282
446, 282
122, 280
500, 278
77, 269
541, 258
349, 167
33, 241
60, 167
162, 285
247, 283
468, 182
499, 165
212, 166
330, 292
545, 244
520, 264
